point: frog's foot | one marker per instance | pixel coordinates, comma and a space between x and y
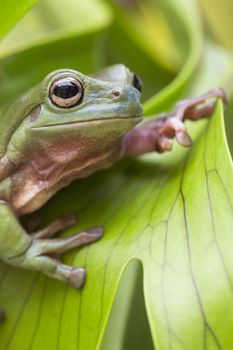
157, 134
2, 316
41, 254
62, 223
193, 109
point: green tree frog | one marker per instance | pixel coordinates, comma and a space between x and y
68, 127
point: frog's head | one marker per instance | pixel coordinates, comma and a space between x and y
70, 107
71, 97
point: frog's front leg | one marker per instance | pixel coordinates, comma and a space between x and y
37, 251
157, 134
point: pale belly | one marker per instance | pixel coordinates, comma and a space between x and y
30, 190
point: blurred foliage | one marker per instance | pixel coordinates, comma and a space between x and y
218, 15
10, 13
173, 212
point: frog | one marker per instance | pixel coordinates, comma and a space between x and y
67, 127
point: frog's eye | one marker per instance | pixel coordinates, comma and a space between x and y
66, 92
137, 83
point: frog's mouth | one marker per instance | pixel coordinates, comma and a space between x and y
135, 119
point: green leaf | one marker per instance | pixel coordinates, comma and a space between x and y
11, 12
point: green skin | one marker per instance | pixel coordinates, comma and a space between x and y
44, 147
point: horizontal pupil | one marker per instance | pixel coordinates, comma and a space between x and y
66, 90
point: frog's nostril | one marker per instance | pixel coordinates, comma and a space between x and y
116, 93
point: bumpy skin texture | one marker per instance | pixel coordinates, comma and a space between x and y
44, 146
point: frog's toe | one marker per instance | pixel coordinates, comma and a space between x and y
77, 277
62, 223
56, 269
164, 144
173, 127
183, 139
61, 245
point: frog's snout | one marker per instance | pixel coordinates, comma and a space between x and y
136, 84
127, 101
